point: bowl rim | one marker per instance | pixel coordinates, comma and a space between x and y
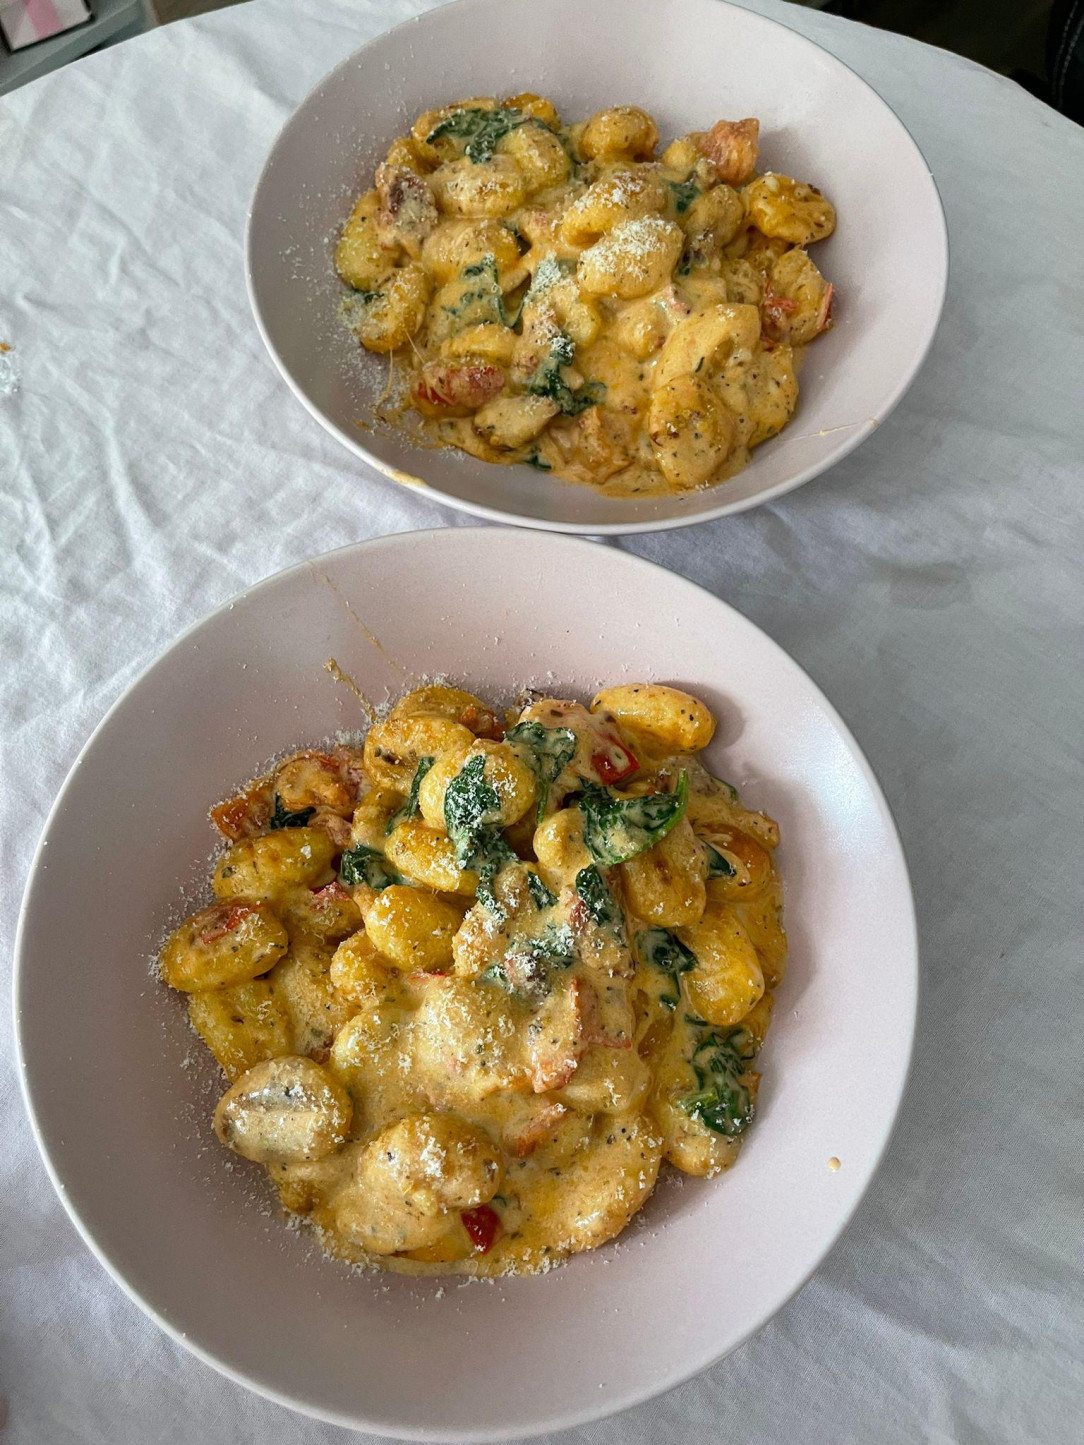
655, 1387
854, 438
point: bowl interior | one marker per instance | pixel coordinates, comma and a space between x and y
819, 122
121, 1091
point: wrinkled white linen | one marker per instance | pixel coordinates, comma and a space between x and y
152, 463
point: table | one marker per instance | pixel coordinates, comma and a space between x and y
153, 463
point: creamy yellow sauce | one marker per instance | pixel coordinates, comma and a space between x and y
473, 983
566, 297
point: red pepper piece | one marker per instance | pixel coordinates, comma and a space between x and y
484, 1227
614, 765
330, 891
227, 919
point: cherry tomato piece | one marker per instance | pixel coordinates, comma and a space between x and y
484, 1227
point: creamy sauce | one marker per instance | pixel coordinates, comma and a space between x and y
561, 297
486, 1076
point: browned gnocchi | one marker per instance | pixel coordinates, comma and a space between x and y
474, 981
570, 297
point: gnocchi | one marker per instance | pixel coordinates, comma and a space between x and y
473, 981
571, 298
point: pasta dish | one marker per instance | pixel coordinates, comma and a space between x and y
562, 296
474, 981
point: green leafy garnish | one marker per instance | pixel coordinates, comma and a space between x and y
602, 907
354, 307
541, 896
367, 865
617, 829
472, 818
546, 751
549, 271
562, 348
718, 865
534, 460
481, 300
554, 945
410, 808
527, 967
481, 129
658, 946
684, 193
722, 1102
490, 857
283, 818
547, 381
471, 805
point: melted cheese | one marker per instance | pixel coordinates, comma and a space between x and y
562, 301
556, 1048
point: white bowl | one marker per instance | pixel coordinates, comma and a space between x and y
689, 62
124, 1126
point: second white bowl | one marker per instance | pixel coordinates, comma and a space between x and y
689, 62
124, 1125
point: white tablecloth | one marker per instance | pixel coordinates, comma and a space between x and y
152, 463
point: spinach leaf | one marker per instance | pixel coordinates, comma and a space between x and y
661, 948
554, 946
541, 896
547, 380
354, 307
527, 966
718, 866
562, 348
281, 818
481, 129
549, 271
617, 829
602, 907
722, 1102
546, 751
685, 193
482, 300
490, 856
365, 865
472, 818
410, 808
470, 806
